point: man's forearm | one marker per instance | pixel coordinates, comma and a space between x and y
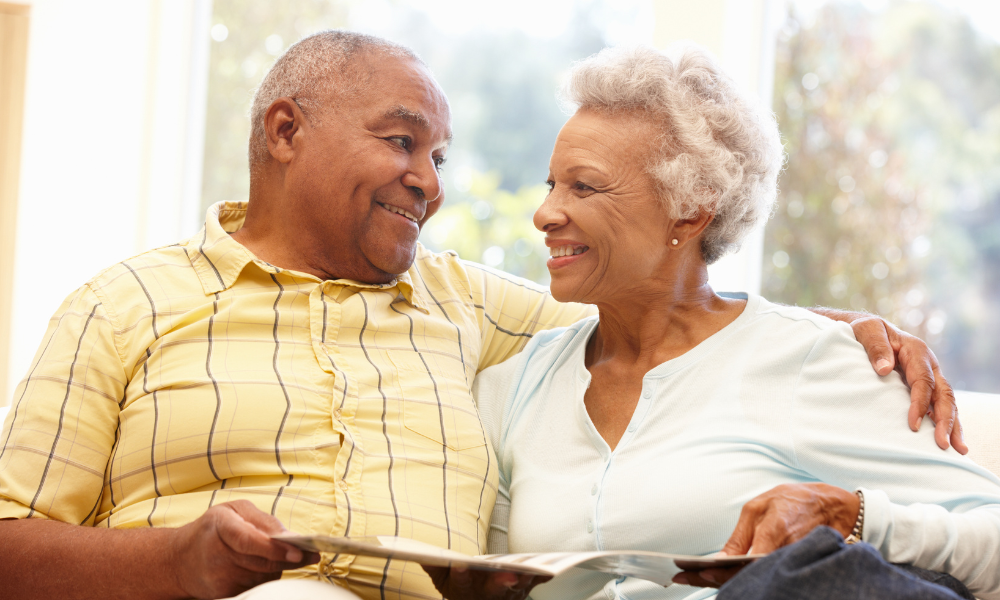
48, 559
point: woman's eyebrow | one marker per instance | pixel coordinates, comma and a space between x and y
576, 168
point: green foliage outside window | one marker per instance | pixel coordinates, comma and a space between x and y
505, 116
890, 201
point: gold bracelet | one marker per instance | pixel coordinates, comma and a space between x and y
859, 525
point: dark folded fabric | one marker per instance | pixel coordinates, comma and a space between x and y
822, 567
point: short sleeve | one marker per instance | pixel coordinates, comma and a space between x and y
512, 310
62, 425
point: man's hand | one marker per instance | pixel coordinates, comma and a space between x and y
458, 583
890, 348
777, 518
228, 550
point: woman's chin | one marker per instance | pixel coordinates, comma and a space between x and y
567, 291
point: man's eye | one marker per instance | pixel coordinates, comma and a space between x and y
402, 141
439, 162
551, 184
583, 187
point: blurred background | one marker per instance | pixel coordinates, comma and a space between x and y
122, 120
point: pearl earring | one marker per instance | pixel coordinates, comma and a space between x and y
674, 241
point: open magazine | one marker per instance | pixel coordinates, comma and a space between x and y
652, 566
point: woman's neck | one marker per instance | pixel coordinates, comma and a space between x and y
658, 323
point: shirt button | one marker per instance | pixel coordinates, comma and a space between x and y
590, 526
647, 394
593, 490
343, 485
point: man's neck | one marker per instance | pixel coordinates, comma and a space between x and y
264, 235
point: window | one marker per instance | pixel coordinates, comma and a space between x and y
890, 201
13, 64
500, 69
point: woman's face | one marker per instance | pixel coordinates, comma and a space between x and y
606, 230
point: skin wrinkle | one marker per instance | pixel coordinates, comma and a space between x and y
711, 144
598, 152
654, 298
311, 194
327, 182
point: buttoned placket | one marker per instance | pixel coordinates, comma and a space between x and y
596, 491
326, 312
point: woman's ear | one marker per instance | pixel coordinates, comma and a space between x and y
685, 230
283, 121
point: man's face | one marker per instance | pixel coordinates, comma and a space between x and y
367, 178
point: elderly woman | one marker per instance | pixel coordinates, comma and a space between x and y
681, 421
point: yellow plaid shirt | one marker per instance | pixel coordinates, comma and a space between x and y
196, 374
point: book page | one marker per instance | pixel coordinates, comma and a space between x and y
652, 566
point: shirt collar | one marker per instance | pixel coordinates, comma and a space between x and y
218, 259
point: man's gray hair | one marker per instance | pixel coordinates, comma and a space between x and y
313, 70
719, 149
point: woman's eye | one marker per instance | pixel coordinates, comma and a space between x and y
583, 187
551, 184
439, 162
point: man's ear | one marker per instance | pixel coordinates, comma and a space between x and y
283, 123
685, 230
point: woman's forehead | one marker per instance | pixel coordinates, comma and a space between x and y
613, 139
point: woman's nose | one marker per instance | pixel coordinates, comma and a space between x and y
549, 215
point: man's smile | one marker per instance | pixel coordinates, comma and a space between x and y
399, 211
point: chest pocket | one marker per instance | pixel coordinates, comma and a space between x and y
437, 400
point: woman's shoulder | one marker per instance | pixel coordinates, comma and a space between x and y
799, 323
820, 347
790, 335
792, 314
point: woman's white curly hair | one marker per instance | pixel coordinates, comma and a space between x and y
720, 151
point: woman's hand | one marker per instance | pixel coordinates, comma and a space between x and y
930, 393
777, 518
458, 583
787, 513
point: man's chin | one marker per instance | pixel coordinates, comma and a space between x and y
395, 261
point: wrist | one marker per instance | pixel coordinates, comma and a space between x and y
175, 547
857, 531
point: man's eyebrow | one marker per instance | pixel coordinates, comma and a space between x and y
400, 112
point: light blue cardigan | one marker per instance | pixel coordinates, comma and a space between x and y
778, 396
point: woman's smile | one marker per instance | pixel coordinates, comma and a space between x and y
563, 253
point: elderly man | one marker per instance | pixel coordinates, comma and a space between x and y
301, 362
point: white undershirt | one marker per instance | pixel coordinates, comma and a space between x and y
778, 396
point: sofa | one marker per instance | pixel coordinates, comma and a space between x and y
980, 416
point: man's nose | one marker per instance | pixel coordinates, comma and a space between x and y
424, 179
